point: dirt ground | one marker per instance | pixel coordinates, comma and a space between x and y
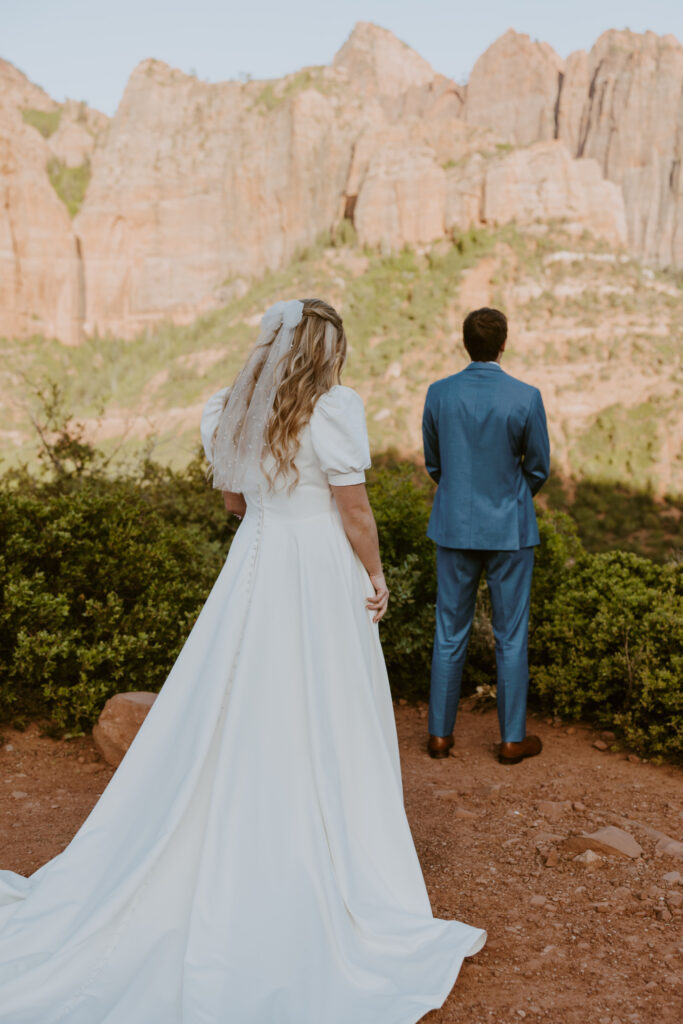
568, 943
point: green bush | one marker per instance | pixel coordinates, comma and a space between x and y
609, 649
102, 576
98, 592
402, 512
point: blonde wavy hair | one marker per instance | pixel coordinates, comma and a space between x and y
310, 368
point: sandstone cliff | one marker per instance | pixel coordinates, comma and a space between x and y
201, 184
621, 104
194, 188
41, 273
513, 88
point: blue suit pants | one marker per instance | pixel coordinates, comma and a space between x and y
508, 576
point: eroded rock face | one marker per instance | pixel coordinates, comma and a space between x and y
199, 182
195, 184
513, 88
543, 182
631, 122
81, 129
119, 722
379, 64
41, 274
621, 105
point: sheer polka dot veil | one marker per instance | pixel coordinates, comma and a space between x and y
239, 444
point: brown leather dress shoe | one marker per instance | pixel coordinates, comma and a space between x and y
513, 753
439, 746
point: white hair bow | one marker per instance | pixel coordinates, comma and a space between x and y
287, 314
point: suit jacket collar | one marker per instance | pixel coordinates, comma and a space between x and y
484, 366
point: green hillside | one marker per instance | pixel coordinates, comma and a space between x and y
599, 333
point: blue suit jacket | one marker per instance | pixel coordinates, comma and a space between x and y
486, 446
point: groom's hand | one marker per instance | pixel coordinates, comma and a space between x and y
378, 603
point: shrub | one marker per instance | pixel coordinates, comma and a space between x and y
98, 594
609, 649
101, 578
402, 512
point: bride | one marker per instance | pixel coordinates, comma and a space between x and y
250, 861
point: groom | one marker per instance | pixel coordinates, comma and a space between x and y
486, 446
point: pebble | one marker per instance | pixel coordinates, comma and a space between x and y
81, 760
622, 892
675, 899
588, 859
602, 908
541, 838
672, 877
570, 731
538, 901
464, 813
578, 806
633, 758
600, 745
19, 794
491, 791
610, 840
670, 847
8, 747
663, 914
553, 809
553, 859
607, 736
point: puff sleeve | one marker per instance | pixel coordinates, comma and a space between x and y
210, 417
340, 436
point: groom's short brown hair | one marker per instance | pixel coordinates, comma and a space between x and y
484, 332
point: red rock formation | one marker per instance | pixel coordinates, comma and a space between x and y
195, 185
631, 122
40, 282
513, 88
621, 104
41, 273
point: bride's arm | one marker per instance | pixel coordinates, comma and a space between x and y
235, 503
361, 529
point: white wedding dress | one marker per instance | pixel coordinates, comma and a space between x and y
250, 861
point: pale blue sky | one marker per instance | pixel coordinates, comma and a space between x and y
86, 49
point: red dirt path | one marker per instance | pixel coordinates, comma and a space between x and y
600, 946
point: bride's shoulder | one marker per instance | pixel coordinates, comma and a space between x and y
340, 436
338, 402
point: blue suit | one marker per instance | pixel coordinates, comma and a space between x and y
486, 446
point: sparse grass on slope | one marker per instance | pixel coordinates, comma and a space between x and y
596, 331
70, 183
44, 121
